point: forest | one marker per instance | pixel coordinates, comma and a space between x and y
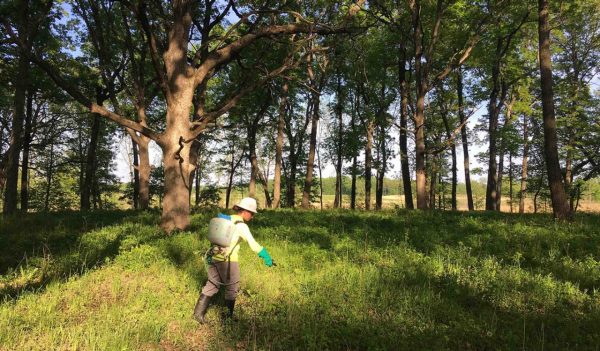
439, 158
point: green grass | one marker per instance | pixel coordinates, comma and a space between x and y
344, 281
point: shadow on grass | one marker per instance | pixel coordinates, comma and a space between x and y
415, 310
437, 320
535, 242
42, 248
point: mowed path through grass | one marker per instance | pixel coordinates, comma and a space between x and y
344, 281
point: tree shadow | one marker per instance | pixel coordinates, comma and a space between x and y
438, 314
46, 248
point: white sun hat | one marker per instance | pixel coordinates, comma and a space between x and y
246, 203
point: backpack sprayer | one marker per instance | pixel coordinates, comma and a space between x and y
221, 230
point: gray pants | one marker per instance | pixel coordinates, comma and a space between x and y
223, 273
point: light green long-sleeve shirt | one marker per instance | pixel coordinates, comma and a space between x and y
242, 233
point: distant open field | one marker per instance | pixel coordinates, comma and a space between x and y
394, 201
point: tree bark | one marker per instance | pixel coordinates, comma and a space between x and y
354, 157
90, 164
251, 137
279, 146
316, 103
560, 204
510, 180
144, 172
337, 203
404, 166
464, 139
524, 166
311, 155
421, 90
291, 183
353, 183
493, 114
49, 173
368, 163
16, 135
26, 148
501, 153
453, 151
136, 175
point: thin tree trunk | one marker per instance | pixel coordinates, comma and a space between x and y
11, 169
311, 157
535, 197
499, 183
569, 176
464, 139
368, 163
26, 147
279, 147
315, 101
501, 153
231, 174
338, 165
404, 166
560, 205
136, 175
144, 169
421, 91
441, 194
253, 162
524, 166
453, 150
88, 182
291, 184
49, 174
433, 178
320, 176
493, 114
354, 157
382, 155
510, 180
198, 180
353, 183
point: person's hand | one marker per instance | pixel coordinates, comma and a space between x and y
266, 257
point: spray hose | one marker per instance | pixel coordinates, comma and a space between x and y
207, 260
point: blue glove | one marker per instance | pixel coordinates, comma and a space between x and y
266, 257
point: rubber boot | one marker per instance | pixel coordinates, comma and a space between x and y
201, 307
230, 306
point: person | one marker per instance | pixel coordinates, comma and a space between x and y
223, 267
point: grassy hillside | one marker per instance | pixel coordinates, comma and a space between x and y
345, 280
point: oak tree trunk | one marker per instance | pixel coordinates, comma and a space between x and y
144, 169
560, 204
